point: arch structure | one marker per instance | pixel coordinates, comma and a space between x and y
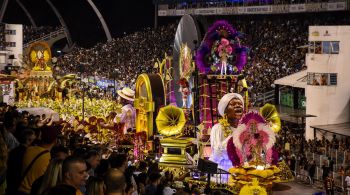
27, 13
63, 23
102, 20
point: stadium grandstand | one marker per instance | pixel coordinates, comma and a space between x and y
87, 84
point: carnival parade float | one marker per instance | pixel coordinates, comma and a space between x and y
37, 88
193, 109
214, 108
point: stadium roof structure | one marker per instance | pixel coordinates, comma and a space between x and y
87, 21
297, 80
339, 129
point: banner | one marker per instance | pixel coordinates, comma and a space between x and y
265, 9
180, 12
336, 6
255, 9
314, 7
206, 11
219, 11
162, 13
171, 12
297, 8
228, 10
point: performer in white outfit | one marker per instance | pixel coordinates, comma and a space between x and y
128, 113
231, 109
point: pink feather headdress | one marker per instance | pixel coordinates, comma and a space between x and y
251, 131
224, 46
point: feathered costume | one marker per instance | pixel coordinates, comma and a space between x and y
220, 49
216, 50
252, 137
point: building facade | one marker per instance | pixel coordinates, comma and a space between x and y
328, 80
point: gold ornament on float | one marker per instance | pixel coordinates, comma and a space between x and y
186, 65
170, 120
269, 112
149, 96
254, 189
40, 56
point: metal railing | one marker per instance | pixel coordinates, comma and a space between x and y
46, 37
302, 177
266, 97
339, 158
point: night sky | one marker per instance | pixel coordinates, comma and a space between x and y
86, 30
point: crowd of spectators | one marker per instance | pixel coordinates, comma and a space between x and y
31, 33
277, 49
75, 165
2, 37
128, 56
38, 158
277, 45
274, 53
327, 156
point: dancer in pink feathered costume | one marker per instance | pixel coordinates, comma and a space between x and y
252, 138
224, 50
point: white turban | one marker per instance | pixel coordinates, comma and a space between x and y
226, 99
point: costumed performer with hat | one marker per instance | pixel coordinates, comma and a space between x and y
128, 113
231, 107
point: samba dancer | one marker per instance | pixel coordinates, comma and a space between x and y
231, 109
128, 113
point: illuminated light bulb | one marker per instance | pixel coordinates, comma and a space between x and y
260, 167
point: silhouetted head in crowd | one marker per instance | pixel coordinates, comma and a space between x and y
155, 178
115, 182
26, 137
48, 135
74, 172
52, 176
102, 168
62, 190
119, 161
25, 114
9, 122
59, 152
153, 168
142, 166
79, 152
95, 186
93, 158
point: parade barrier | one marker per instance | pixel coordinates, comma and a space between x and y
340, 160
259, 9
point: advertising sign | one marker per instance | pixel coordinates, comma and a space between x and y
297, 8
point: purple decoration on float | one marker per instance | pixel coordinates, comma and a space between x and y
275, 156
241, 58
213, 33
232, 154
172, 98
203, 53
209, 54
